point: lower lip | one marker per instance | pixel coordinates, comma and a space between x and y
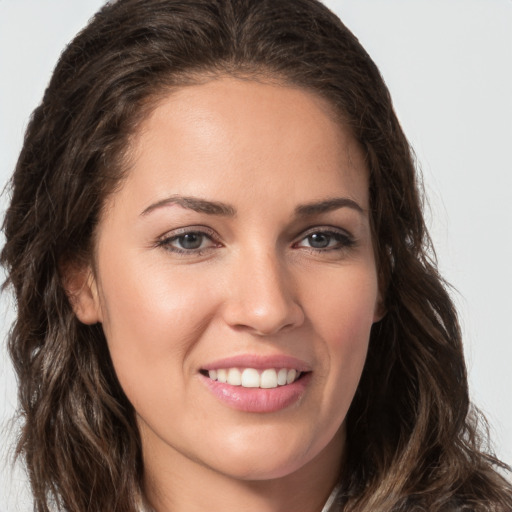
258, 399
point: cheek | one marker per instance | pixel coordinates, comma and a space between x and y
152, 319
344, 304
343, 313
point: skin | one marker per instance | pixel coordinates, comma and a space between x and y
255, 286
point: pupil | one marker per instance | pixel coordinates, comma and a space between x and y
190, 241
319, 240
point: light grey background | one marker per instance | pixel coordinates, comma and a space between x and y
448, 66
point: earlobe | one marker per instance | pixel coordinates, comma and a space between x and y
380, 309
82, 291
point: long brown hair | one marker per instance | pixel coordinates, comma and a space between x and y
413, 442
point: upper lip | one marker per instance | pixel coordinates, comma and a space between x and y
259, 362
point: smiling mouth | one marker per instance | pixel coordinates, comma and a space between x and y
252, 378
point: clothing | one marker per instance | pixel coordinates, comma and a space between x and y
330, 503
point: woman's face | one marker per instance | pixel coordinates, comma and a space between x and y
238, 250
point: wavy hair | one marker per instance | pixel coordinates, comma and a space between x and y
413, 438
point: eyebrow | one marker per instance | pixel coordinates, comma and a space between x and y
218, 208
194, 203
327, 205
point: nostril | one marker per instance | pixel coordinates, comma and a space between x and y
265, 301
264, 321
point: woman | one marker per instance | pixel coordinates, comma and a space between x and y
224, 289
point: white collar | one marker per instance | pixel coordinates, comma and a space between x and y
330, 500
328, 503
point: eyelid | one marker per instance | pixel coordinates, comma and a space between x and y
165, 240
174, 233
326, 229
348, 239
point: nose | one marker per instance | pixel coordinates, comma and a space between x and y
262, 296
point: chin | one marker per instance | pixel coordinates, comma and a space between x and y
273, 456
261, 468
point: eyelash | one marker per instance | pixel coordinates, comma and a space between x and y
166, 241
343, 240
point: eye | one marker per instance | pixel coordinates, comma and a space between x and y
325, 240
188, 242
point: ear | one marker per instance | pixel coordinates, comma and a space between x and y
380, 309
82, 291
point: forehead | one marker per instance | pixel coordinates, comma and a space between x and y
230, 136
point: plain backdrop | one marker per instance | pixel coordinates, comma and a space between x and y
448, 64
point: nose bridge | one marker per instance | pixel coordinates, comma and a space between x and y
263, 299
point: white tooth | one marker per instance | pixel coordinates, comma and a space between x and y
212, 374
269, 379
281, 376
234, 377
222, 375
290, 377
250, 378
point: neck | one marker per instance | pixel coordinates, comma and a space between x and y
176, 483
